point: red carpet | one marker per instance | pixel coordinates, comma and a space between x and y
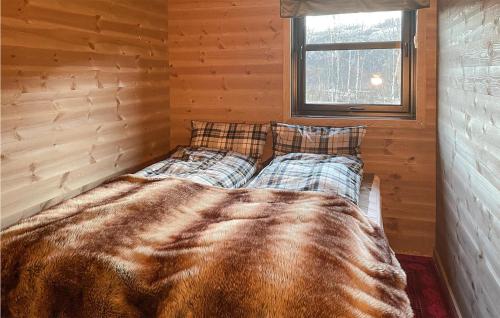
426, 294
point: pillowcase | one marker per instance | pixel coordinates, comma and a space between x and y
317, 140
339, 175
246, 139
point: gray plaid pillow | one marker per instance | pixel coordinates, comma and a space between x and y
220, 168
246, 139
317, 140
340, 175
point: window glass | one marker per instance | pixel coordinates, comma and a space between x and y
354, 27
353, 77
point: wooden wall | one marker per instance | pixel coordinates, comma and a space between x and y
85, 95
229, 61
468, 219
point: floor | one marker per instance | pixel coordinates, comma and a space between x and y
426, 294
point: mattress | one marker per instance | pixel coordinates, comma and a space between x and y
370, 200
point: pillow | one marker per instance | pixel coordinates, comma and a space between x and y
339, 175
317, 140
246, 139
219, 168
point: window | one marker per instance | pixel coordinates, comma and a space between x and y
353, 65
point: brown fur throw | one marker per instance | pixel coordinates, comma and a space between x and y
173, 248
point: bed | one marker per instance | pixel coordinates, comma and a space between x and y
170, 247
155, 244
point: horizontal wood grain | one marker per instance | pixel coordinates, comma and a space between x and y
229, 62
89, 89
85, 96
468, 219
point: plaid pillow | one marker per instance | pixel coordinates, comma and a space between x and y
340, 175
224, 169
318, 140
246, 139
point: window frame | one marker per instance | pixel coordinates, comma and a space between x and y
408, 52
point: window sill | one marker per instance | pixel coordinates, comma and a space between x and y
398, 121
358, 116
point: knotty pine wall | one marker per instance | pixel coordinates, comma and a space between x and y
229, 61
468, 219
85, 95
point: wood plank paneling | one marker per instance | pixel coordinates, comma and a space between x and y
226, 62
229, 62
85, 95
468, 219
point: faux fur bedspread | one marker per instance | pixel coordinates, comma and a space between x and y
172, 248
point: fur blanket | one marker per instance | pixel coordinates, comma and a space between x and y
173, 248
